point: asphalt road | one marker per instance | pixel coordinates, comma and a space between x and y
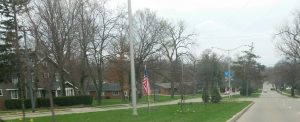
273, 107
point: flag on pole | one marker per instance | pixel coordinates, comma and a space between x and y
146, 83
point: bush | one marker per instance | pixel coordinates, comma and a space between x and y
42, 102
73, 100
60, 101
16, 104
215, 96
243, 91
205, 96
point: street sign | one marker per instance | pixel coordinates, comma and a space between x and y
228, 74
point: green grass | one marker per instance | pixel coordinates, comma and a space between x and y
109, 102
197, 112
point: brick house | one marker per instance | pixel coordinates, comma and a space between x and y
110, 90
165, 88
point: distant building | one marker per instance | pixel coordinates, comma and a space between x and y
44, 74
110, 90
165, 88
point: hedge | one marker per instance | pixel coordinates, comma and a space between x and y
58, 101
16, 104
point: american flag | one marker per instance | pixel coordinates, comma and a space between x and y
146, 83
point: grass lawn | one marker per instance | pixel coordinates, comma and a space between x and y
197, 112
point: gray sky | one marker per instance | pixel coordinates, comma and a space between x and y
227, 23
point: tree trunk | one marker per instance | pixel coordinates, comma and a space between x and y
139, 81
82, 89
99, 100
62, 82
293, 91
98, 97
174, 78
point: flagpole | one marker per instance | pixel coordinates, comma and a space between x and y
148, 90
148, 103
132, 69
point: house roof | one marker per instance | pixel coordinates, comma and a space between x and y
164, 85
105, 87
7, 86
56, 85
50, 60
168, 85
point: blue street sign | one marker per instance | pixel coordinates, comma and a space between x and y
228, 74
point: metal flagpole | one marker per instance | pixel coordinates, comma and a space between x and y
148, 102
132, 69
147, 87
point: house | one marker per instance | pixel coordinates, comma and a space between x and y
8, 91
110, 90
42, 92
165, 88
11, 91
47, 74
44, 75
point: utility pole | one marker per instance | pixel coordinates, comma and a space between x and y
229, 64
247, 81
29, 79
132, 68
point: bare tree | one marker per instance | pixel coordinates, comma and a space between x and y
118, 50
289, 38
107, 23
174, 46
87, 32
288, 44
148, 33
57, 20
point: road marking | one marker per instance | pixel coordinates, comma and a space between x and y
298, 112
290, 107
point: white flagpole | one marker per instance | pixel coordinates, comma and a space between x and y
130, 36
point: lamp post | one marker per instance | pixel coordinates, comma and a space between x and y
132, 69
229, 63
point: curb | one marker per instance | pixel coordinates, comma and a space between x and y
239, 114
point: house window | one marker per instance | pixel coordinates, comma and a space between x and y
69, 92
115, 93
39, 94
46, 75
14, 94
1, 93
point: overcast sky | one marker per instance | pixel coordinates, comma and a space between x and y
227, 23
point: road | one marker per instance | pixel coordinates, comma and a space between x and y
273, 107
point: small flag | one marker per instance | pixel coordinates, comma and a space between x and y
146, 83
